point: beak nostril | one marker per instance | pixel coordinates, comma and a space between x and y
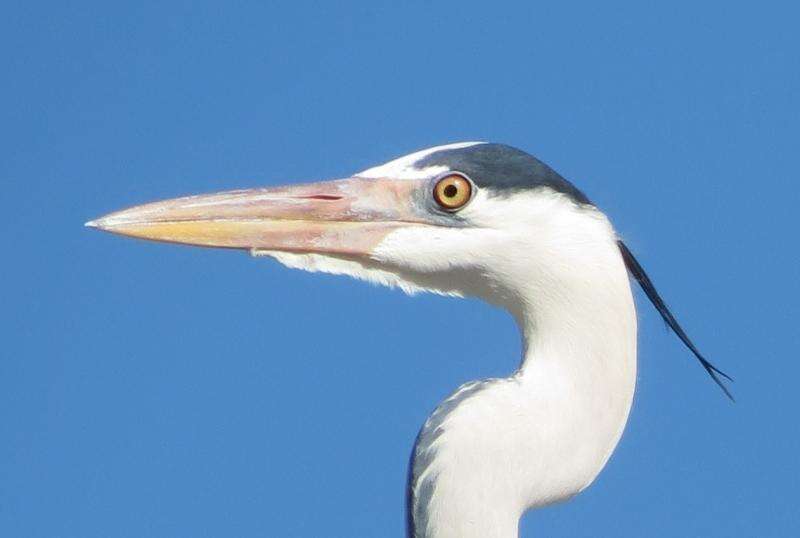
320, 197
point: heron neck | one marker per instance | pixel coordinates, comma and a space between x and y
499, 447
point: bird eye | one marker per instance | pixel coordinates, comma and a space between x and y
452, 192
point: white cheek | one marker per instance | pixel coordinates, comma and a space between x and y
441, 248
411, 247
431, 249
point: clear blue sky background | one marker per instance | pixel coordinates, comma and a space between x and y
155, 390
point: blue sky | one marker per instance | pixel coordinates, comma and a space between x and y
155, 390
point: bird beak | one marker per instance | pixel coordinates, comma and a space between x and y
347, 217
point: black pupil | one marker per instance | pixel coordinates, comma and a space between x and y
450, 191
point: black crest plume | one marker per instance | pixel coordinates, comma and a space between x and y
650, 290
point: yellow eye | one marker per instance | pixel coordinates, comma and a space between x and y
452, 192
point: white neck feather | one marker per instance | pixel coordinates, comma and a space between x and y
499, 447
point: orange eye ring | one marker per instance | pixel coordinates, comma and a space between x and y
452, 192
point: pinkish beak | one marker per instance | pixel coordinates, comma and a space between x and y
346, 216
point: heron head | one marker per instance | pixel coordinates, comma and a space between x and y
463, 219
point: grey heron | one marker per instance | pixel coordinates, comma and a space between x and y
469, 219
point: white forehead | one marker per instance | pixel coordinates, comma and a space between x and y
404, 166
